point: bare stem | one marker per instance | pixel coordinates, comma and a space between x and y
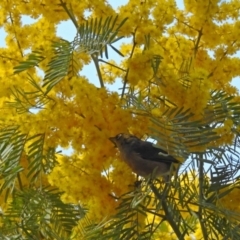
168, 214
69, 13
201, 198
96, 63
131, 54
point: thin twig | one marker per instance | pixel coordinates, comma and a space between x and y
131, 54
69, 13
96, 63
100, 60
168, 215
201, 198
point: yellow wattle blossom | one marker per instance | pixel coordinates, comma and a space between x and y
230, 201
172, 59
156, 112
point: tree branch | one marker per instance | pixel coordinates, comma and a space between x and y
201, 198
168, 215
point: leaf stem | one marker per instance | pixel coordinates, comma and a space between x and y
131, 54
69, 13
96, 63
201, 198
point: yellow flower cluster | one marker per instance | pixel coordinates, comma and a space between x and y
111, 72
196, 56
139, 69
231, 201
85, 124
225, 133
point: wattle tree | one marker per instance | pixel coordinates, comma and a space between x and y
162, 74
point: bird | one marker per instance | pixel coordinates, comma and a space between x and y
142, 156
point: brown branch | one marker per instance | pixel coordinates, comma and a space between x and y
168, 215
201, 198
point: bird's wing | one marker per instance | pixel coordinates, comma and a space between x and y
147, 151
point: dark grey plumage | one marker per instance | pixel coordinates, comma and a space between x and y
142, 157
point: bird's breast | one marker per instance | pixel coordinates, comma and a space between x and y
144, 167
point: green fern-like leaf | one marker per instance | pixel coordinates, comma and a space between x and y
35, 156
58, 67
32, 61
94, 35
25, 101
12, 143
40, 213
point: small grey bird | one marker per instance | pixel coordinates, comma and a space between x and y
142, 157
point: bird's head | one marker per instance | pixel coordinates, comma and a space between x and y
123, 139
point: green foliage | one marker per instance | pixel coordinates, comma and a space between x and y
26, 101
169, 202
39, 213
12, 148
32, 61
220, 163
35, 212
39, 160
12, 142
35, 156
93, 37
61, 64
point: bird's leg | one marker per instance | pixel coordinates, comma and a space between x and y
137, 182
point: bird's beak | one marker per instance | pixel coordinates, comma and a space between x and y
113, 140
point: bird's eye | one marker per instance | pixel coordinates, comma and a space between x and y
119, 136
